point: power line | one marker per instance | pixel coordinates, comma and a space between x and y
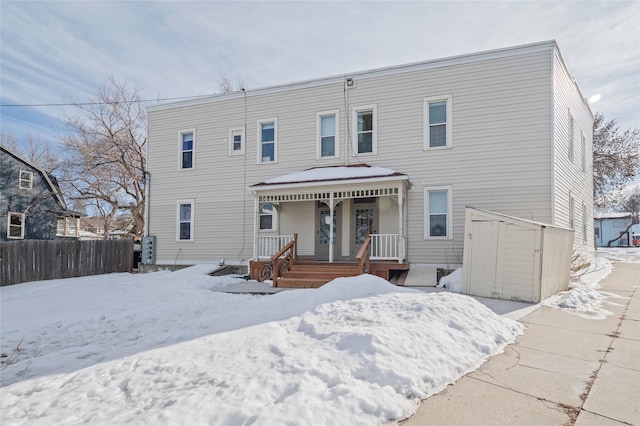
101, 103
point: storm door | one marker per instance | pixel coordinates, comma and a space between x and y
323, 231
364, 220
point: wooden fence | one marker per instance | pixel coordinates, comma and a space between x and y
35, 260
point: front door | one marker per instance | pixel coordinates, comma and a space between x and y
323, 227
364, 221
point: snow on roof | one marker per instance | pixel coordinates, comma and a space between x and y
611, 215
332, 173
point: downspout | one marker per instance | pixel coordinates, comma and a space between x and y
147, 191
347, 142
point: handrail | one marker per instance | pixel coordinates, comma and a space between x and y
287, 255
363, 256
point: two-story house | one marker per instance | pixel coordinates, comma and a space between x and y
394, 154
31, 204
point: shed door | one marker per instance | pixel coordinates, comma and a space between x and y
486, 280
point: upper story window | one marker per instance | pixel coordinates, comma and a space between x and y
267, 141
185, 221
327, 134
236, 141
26, 179
438, 222
583, 152
15, 226
365, 133
438, 122
267, 216
187, 150
571, 135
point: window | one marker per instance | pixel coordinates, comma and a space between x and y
437, 121
572, 212
365, 133
236, 141
26, 179
583, 152
267, 141
67, 227
15, 226
584, 223
571, 132
61, 227
327, 134
437, 212
187, 148
267, 215
185, 221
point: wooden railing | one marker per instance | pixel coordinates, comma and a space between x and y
284, 259
270, 244
363, 256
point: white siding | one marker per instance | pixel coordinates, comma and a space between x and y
499, 160
568, 177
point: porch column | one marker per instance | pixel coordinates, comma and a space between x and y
256, 211
331, 213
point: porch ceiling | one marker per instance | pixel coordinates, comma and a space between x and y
337, 182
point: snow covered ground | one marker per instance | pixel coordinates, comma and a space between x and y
163, 348
583, 297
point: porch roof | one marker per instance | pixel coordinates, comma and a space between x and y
331, 175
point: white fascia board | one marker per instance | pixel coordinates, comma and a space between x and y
327, 183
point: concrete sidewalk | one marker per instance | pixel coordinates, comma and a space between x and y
564, 370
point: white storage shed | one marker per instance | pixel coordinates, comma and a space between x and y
511, 258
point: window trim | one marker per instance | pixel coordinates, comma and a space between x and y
354, 129
193, 150
427, 127
571, 135
30, 180
259, 140
178, 221
584, 223
242, 132
274, 215
9, 225
583, 153
336, 141
65, 229
572, 212
427, 217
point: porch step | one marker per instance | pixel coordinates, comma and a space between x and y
313, 274
295, 273
301, 282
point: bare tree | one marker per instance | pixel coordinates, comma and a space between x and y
226, 86
616, 160
40, 152
106, 154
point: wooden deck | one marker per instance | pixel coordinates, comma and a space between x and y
308, 273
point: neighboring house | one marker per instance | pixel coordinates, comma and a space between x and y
31, 205
610, 226
93, 228
396, 152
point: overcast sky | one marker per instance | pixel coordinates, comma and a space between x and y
53, 52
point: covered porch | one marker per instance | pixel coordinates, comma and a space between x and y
337, 217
